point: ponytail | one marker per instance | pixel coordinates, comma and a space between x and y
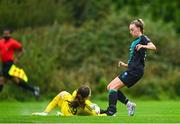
82, 93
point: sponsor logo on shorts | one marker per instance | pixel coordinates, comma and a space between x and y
124, 75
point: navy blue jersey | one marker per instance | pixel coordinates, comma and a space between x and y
137, 58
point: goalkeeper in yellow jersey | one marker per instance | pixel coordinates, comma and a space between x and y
77, 103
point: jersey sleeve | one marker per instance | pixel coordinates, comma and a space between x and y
16, 44
145, 40
74, 94
88, 108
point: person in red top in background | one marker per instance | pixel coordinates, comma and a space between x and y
8, 46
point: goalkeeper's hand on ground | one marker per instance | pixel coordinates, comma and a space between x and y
96, 108
59, 113
40, 113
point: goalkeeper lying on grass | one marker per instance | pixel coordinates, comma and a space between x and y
76, 104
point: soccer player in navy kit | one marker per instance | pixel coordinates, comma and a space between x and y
135, 69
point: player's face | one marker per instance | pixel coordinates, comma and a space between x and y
134, 30
7, 33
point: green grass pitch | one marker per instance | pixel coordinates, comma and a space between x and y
146, 112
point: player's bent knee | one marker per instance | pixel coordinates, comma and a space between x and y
108, 87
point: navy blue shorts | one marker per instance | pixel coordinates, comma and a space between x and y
5, 69
130, 79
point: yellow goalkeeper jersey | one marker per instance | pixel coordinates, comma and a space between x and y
67, 110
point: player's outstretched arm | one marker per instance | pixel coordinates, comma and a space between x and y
149, 46
40, 113
120, 64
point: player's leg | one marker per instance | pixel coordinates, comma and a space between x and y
130, 105
6, 69
131, 108
56, 101
26, 86
122, 98
1, 83
10, 71
113, 95
129, 80
1, 87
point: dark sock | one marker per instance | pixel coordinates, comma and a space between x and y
1, 87
113, 97
122, 98
24, 85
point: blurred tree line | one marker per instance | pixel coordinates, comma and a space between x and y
70, 43
32, 13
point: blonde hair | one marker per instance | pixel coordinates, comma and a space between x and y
139, 23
